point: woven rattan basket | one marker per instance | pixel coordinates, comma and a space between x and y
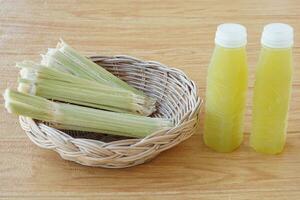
177, 100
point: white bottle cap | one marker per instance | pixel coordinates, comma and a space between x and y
277, 35
231, 35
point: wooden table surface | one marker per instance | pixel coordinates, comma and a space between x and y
177, 33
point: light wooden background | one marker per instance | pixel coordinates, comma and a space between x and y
176, 33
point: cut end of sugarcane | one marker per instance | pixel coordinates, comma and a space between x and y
51, 51
50, 60
146, 111
27, 73
28, 88
150, 101
44, 60
7, 99
61, 43
145, 105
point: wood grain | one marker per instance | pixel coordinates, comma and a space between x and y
176, 33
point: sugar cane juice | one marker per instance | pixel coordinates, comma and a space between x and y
226, 89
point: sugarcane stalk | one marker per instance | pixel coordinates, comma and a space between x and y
82, 118
67, 59
57, 85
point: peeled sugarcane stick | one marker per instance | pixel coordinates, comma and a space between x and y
57, 85
67, 59
73, 117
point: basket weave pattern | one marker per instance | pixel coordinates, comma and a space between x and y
177, 99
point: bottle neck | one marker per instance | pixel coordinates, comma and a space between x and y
217, 46
276, 49
276, 56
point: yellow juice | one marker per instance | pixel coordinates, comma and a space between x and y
225, 98
271, 100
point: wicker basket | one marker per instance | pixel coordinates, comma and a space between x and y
177, 100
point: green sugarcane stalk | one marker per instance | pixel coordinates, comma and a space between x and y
56, 85
67, 59
73, 117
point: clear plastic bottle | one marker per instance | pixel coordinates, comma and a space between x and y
272, 89
226, 89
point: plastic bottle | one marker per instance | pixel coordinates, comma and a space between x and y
272, 89
226, 89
